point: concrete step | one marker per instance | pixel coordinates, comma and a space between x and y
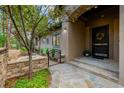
96, 70
104, 64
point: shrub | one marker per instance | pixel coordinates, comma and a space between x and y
53, 52
44, 51
87, 53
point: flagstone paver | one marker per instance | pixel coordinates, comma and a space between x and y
68, 76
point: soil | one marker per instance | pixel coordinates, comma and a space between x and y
10, 83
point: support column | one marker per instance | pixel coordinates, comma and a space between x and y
64, 40
121, 46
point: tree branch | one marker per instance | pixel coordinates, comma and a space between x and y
10, 14
23, 25
34, 27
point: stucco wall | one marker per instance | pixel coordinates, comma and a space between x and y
44, 43
75, 39
121, 46
64, 40
72, 39
49, 45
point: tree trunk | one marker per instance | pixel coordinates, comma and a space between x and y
7, 34
10, 25
39, 46
3, 29
30, 65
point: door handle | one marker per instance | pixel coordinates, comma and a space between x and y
100, 44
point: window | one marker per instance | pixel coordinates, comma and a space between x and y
56, 40
36, 39
47, 40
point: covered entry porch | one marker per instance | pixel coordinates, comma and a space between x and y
104, 60
100, 23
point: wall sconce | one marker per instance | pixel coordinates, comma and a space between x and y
65, 30
96, 7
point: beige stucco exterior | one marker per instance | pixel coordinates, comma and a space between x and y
121, 46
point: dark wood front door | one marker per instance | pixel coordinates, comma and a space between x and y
100, 42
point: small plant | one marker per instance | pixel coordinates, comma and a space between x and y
87, 53
53, 52
44, 51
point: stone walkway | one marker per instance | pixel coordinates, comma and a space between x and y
68, 76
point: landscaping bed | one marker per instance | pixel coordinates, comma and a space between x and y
40, 79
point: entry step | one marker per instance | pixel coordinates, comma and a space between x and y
106, 64
96, 70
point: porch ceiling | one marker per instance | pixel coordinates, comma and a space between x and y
95, 11
80, 10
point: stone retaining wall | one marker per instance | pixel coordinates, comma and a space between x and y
21, 67
10, 69
3, 66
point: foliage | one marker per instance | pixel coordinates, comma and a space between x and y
2, 39
42, 30
44, 51
26, 20
55, 26
56, 17
53, 52
14, 43
40, 79
87, 52
23, 50
56, 13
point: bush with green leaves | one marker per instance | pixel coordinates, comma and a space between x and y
44, 51
53, 52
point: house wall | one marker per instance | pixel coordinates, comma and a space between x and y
64, 40
121, 46
49, 45
44, 43
76, 40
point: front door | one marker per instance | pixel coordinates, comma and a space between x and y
100, 42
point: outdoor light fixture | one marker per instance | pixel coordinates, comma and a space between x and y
96, 7
88, 8
102, 16
65, 30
